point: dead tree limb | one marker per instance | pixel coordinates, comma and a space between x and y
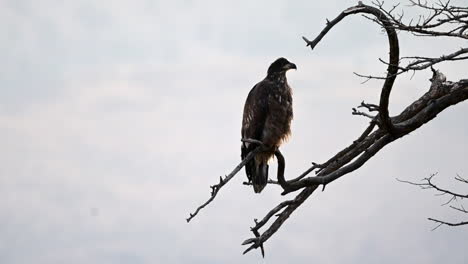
444, 20
440, 223
223, 181
442, 94
394, 54
382, 129
428, 184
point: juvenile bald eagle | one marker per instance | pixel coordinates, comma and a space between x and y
267, 117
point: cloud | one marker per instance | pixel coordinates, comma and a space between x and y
115, 117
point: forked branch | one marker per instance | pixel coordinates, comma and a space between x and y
394, 54
443, 20
442, 94
382, 129
428, 184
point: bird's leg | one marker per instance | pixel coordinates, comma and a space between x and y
251, 140
264, 147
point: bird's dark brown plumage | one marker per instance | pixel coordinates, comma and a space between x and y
267, 117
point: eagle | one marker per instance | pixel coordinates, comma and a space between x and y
267, 118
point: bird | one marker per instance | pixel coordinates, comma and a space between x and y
267, 118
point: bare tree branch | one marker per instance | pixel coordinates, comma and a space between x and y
392, 69
360, 151
441, 16
462, 209
419, 63
460, 179
428, 184
443, 20
441, 95
223, 181
382, 129
446, 223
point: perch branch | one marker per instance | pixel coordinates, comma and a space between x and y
222, 181
382, 129
441, 95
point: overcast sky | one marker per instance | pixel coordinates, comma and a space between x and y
116, 116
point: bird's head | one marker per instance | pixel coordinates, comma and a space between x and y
281, 65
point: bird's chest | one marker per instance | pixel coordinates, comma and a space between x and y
281, 95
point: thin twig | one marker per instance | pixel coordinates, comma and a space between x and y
447, 223
222, 181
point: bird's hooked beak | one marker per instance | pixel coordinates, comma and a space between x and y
290, 66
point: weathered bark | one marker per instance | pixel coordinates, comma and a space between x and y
441, 95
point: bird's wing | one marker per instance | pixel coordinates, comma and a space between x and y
255, 111
253, 122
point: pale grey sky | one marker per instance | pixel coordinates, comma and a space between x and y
116, 116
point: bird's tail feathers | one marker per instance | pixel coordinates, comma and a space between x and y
260, 177
256, 169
